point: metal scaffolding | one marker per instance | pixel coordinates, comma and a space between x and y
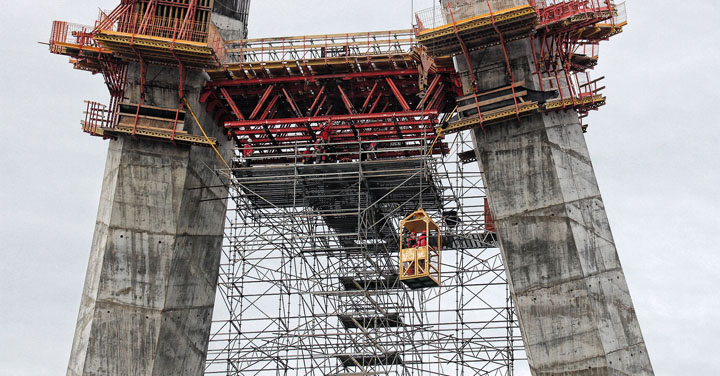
309, 283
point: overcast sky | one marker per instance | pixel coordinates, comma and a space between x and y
654, 148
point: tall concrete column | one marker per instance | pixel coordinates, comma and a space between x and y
575, 311
150, 287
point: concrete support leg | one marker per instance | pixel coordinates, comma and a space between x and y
573, 303
150, 287
574, 307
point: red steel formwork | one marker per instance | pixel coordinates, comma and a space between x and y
567, 47
564, 36
342, 89
345, 87
330, 108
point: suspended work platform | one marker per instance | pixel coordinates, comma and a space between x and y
420, 250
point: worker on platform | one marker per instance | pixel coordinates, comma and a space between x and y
373, 147
422, 239
422, 242
247, 153
308, 156
322, 142
411, 243
412, 240
451, 218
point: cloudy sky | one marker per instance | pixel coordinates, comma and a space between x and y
654, 148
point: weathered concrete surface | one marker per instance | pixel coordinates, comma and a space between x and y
149, 292
573, 303
230, 17
150, 286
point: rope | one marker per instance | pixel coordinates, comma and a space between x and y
433, 144
219, 156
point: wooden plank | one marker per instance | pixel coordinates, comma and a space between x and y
491, 101
519, 83
166, 130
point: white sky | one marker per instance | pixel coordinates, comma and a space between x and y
654, 148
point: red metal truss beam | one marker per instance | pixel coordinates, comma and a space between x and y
292, 103
311, 78
348, 105
340, 127
372, 91
375, 104
269, 107
321, 119
356, 91
315, 102
386, 135
398, 94
260, 103
205, 95
429, 91
232, 104
320, 106
437, 98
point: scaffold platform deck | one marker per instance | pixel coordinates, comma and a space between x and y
134, 47
476, 32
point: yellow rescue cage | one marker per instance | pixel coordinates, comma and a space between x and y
420, 247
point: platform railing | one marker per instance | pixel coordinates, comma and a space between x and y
442, 15
430, 18
620, 17
97, 116
70, 33
165, 27
328, 46
553, 11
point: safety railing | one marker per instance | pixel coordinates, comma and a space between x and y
620, 15
554, 11
591, 50
165, 27
576, 90
585, 86
97, 116
70, 33
320, 46
431, 18
441, 15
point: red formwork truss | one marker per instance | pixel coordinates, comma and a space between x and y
274, 92
330, 98
567, 46
564, 36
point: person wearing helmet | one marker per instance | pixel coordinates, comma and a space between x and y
247, 153
373, 147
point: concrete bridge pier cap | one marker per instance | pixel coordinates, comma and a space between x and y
149, 291
573, 303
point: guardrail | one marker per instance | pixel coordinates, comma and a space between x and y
70, 33
320, 46
97, 116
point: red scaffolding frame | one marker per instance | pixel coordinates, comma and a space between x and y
271, 92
